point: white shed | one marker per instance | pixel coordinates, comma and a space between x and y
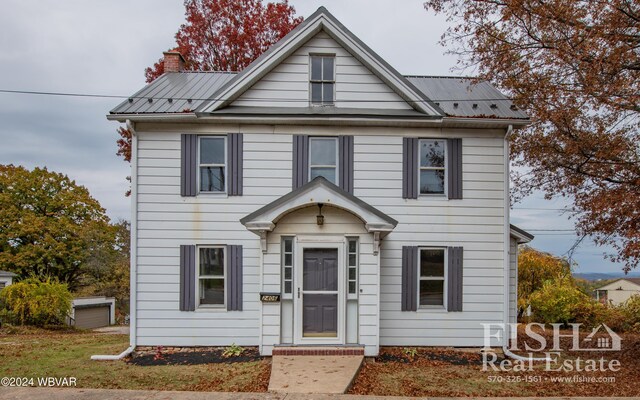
6, 278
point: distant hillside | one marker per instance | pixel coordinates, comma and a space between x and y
601, 276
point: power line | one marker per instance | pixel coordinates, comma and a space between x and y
541, 209
131, 98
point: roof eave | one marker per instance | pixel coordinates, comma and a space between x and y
151, 117
520, 235
458, 121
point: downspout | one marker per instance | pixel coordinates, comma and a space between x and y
134, 252
507, 260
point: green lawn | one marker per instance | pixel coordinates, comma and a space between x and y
67, 354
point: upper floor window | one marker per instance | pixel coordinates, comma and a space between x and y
432, 277
323, 158
322, 80
212, 163
211, 273
432, 166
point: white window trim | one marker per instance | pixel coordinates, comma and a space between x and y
445, 168
224, 277
311, 81
225, 166
445, 279
287, 296
336, 167
353, 296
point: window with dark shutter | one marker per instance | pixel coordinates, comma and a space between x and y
211, 164
429, 169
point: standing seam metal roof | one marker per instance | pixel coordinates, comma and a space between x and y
458, 97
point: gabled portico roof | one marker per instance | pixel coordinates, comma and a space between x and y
321, 20
318, 191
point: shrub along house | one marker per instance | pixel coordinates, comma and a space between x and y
319, 197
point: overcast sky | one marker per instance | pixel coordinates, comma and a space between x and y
102, 47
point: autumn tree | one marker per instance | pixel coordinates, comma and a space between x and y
49, 225
222, 35
536, 267
106, 270
574, 66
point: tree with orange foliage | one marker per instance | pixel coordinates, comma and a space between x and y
223, 35
227, 35
574, 66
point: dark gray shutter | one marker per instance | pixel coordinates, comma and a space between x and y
188, 165
300, 160
234, 155
234, 278
454, 152
409, 293
454, 272
410, 168
345, 146
187, 278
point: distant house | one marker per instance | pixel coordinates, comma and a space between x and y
6, 278
619, 291
319, 197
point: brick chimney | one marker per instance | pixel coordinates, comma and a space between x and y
173, 61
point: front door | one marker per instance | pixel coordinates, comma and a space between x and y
319, 293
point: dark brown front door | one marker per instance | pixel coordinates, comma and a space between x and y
320, 293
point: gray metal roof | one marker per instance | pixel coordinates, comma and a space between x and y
174, 92
461, 97
179, 92
5, 273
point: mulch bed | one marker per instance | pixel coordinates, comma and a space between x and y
190, 356
453, 357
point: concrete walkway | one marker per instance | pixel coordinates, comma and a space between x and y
313, 374
114, 330
110, 394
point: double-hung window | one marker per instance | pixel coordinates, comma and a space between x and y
212, 163
211, 273
323, 158
431, 288
323, 79
433, 153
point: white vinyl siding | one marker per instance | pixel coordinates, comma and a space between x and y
287, 85
166, 220
513, 281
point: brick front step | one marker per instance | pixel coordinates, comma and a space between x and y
318, 351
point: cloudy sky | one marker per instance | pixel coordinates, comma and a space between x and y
103, 46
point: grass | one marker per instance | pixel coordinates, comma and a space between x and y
67, 354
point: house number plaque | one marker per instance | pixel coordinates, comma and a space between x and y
270, 297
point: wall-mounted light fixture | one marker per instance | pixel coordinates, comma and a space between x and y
320, 217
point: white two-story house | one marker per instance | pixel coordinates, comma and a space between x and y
319, 197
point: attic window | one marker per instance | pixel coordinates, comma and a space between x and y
322, 80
